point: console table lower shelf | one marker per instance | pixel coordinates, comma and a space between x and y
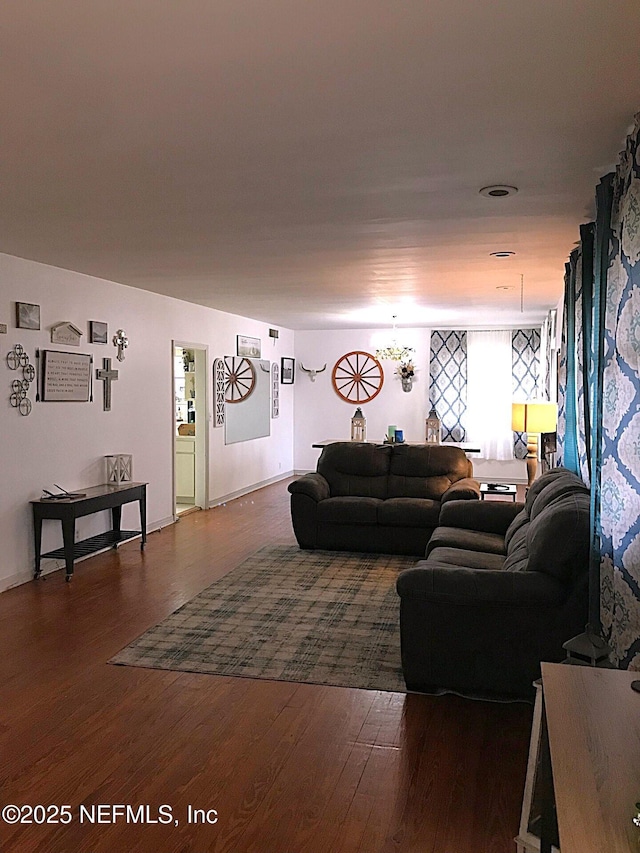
95, 499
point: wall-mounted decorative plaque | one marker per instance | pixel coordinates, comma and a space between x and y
65, 376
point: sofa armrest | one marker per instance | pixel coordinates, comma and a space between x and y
313, 485
485, 516
466, 489
443, 584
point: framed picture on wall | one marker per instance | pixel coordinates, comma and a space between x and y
98, 332
27, 316
248, 347
287, 370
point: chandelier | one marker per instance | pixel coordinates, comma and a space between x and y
395, 351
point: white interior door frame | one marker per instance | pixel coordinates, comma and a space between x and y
203, 421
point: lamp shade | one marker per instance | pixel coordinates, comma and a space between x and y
534, 416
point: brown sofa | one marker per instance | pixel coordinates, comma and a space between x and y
502, 588
380, 498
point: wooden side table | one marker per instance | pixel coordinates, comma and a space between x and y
583, 775
110, 496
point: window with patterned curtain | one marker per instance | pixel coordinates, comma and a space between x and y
448, 379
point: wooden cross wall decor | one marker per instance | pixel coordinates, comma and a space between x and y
106, 375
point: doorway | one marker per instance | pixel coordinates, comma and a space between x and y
190, 427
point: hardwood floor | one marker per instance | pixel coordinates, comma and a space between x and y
289, 768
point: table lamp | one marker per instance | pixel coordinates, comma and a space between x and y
533, 417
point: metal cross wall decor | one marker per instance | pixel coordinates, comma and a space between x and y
106, 375
121, 341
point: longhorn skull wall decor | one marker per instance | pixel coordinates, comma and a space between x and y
313, 373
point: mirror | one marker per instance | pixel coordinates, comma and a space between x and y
250, 416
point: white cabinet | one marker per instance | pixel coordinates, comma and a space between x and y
185, 468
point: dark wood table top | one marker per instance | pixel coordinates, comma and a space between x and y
91, 492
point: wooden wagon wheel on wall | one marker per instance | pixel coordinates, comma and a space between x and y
357, 377
239, 378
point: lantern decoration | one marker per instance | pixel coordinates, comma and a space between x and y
119, 468
433, 427
358, 426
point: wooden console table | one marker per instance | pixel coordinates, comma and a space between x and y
96, 499
463, 445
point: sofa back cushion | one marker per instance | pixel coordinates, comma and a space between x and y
551, 534
548, 488
426, 471
351, 468
558, 538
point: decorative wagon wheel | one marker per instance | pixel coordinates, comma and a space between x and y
357, 377
239, 379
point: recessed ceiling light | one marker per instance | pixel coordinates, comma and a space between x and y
503, 254
498, 191
504, 287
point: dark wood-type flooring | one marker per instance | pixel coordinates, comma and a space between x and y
290, 768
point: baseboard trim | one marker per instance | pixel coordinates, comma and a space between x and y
247, 491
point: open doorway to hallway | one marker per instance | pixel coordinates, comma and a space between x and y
191, 422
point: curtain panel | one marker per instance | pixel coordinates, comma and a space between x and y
599, 395
619, 481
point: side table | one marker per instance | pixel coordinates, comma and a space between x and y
500, 490
110, 496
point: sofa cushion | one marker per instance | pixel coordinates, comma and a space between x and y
356, 469
518, 549
471, 540
558, 538
519, 521
555, 491
426, 472
408, 512
469, 559
349, 510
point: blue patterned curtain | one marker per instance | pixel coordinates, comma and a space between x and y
601, 334
448, 382
567, 376
619, 482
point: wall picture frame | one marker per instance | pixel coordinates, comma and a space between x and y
248, 347
98, 332
65, 377
27, 316
287, 371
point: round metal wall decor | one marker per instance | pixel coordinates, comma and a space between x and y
239, 378
18, 399
357, 377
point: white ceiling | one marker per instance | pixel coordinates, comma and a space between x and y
314, 163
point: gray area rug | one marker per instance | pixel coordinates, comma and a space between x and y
321, 617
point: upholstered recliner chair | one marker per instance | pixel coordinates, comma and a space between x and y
378, 498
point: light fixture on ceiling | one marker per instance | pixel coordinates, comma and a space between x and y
498, 191
504, 287
394, 352
505, 253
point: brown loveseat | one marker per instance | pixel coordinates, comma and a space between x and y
503, 587
378, 497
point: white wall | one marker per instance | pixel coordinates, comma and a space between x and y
321, 414
65, 442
